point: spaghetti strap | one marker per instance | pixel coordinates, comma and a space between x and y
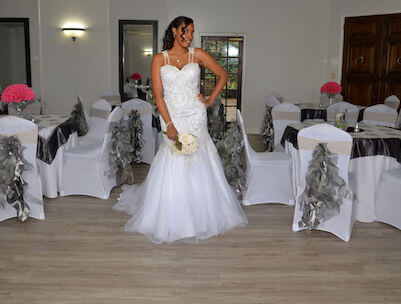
166, 58
191, 55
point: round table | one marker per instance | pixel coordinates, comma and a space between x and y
317, 111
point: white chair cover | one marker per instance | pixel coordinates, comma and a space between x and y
393, 102
340, 143
97, 123
86, 167
268, 178
381, 115
388, 199
145, 110
338, 107
27, 132
277, 95
113, 97
31, 108
398, 121
283, 115
272, 101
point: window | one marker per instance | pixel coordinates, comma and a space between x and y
227, 51
15, 59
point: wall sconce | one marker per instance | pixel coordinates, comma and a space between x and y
148, 52
73, 32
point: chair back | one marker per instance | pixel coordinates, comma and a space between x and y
283, 115
277, 95
27, 133
115, 116
145, 110
249, 152
398, 121
338, 142
381, 115
272, 101
393, 102
99, 114
111, 96
81, 101
338, 107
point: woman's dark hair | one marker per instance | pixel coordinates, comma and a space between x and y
168, 39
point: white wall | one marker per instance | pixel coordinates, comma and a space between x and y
291, 46
286, 45
339, 9
71, 68
27, 9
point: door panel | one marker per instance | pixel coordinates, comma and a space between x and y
390, 81
361, 59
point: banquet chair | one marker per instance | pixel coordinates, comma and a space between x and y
268, 178
339, 143
351, 115
381, 115
276, 95
398, 121
30, 108
86, 168
283, 115
388, 198
99, 114
27, 132
393, 102
272, 101
149, 136
113, 97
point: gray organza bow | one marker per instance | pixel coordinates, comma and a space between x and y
267, 130
325, 190
230, 149
126, 144
12, 165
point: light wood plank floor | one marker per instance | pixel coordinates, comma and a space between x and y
81, 254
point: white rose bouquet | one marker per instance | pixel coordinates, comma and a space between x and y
184, 144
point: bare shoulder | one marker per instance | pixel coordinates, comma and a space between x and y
198, 52
158, 58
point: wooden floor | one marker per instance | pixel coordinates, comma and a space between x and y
81, 254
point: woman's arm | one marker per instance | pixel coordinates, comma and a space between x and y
157, 89
208, 62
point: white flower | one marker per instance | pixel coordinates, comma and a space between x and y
185, 144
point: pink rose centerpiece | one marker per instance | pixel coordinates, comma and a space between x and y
331, 88
136, 77
18, 94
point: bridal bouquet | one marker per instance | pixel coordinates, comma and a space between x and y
184, 144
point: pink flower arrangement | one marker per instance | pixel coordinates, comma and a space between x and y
18, 93
136, 76
331, 87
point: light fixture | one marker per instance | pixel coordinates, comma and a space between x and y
148, 52
73, 32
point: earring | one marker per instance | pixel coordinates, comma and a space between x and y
173, 35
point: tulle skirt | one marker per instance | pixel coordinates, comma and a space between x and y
182, 198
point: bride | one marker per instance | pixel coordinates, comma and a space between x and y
184, 197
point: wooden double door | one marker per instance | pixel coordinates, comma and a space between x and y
371, 68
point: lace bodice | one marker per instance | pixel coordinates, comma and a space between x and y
180, 90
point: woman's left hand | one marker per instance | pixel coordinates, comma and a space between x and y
203, 99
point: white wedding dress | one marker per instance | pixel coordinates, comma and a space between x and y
183, 197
